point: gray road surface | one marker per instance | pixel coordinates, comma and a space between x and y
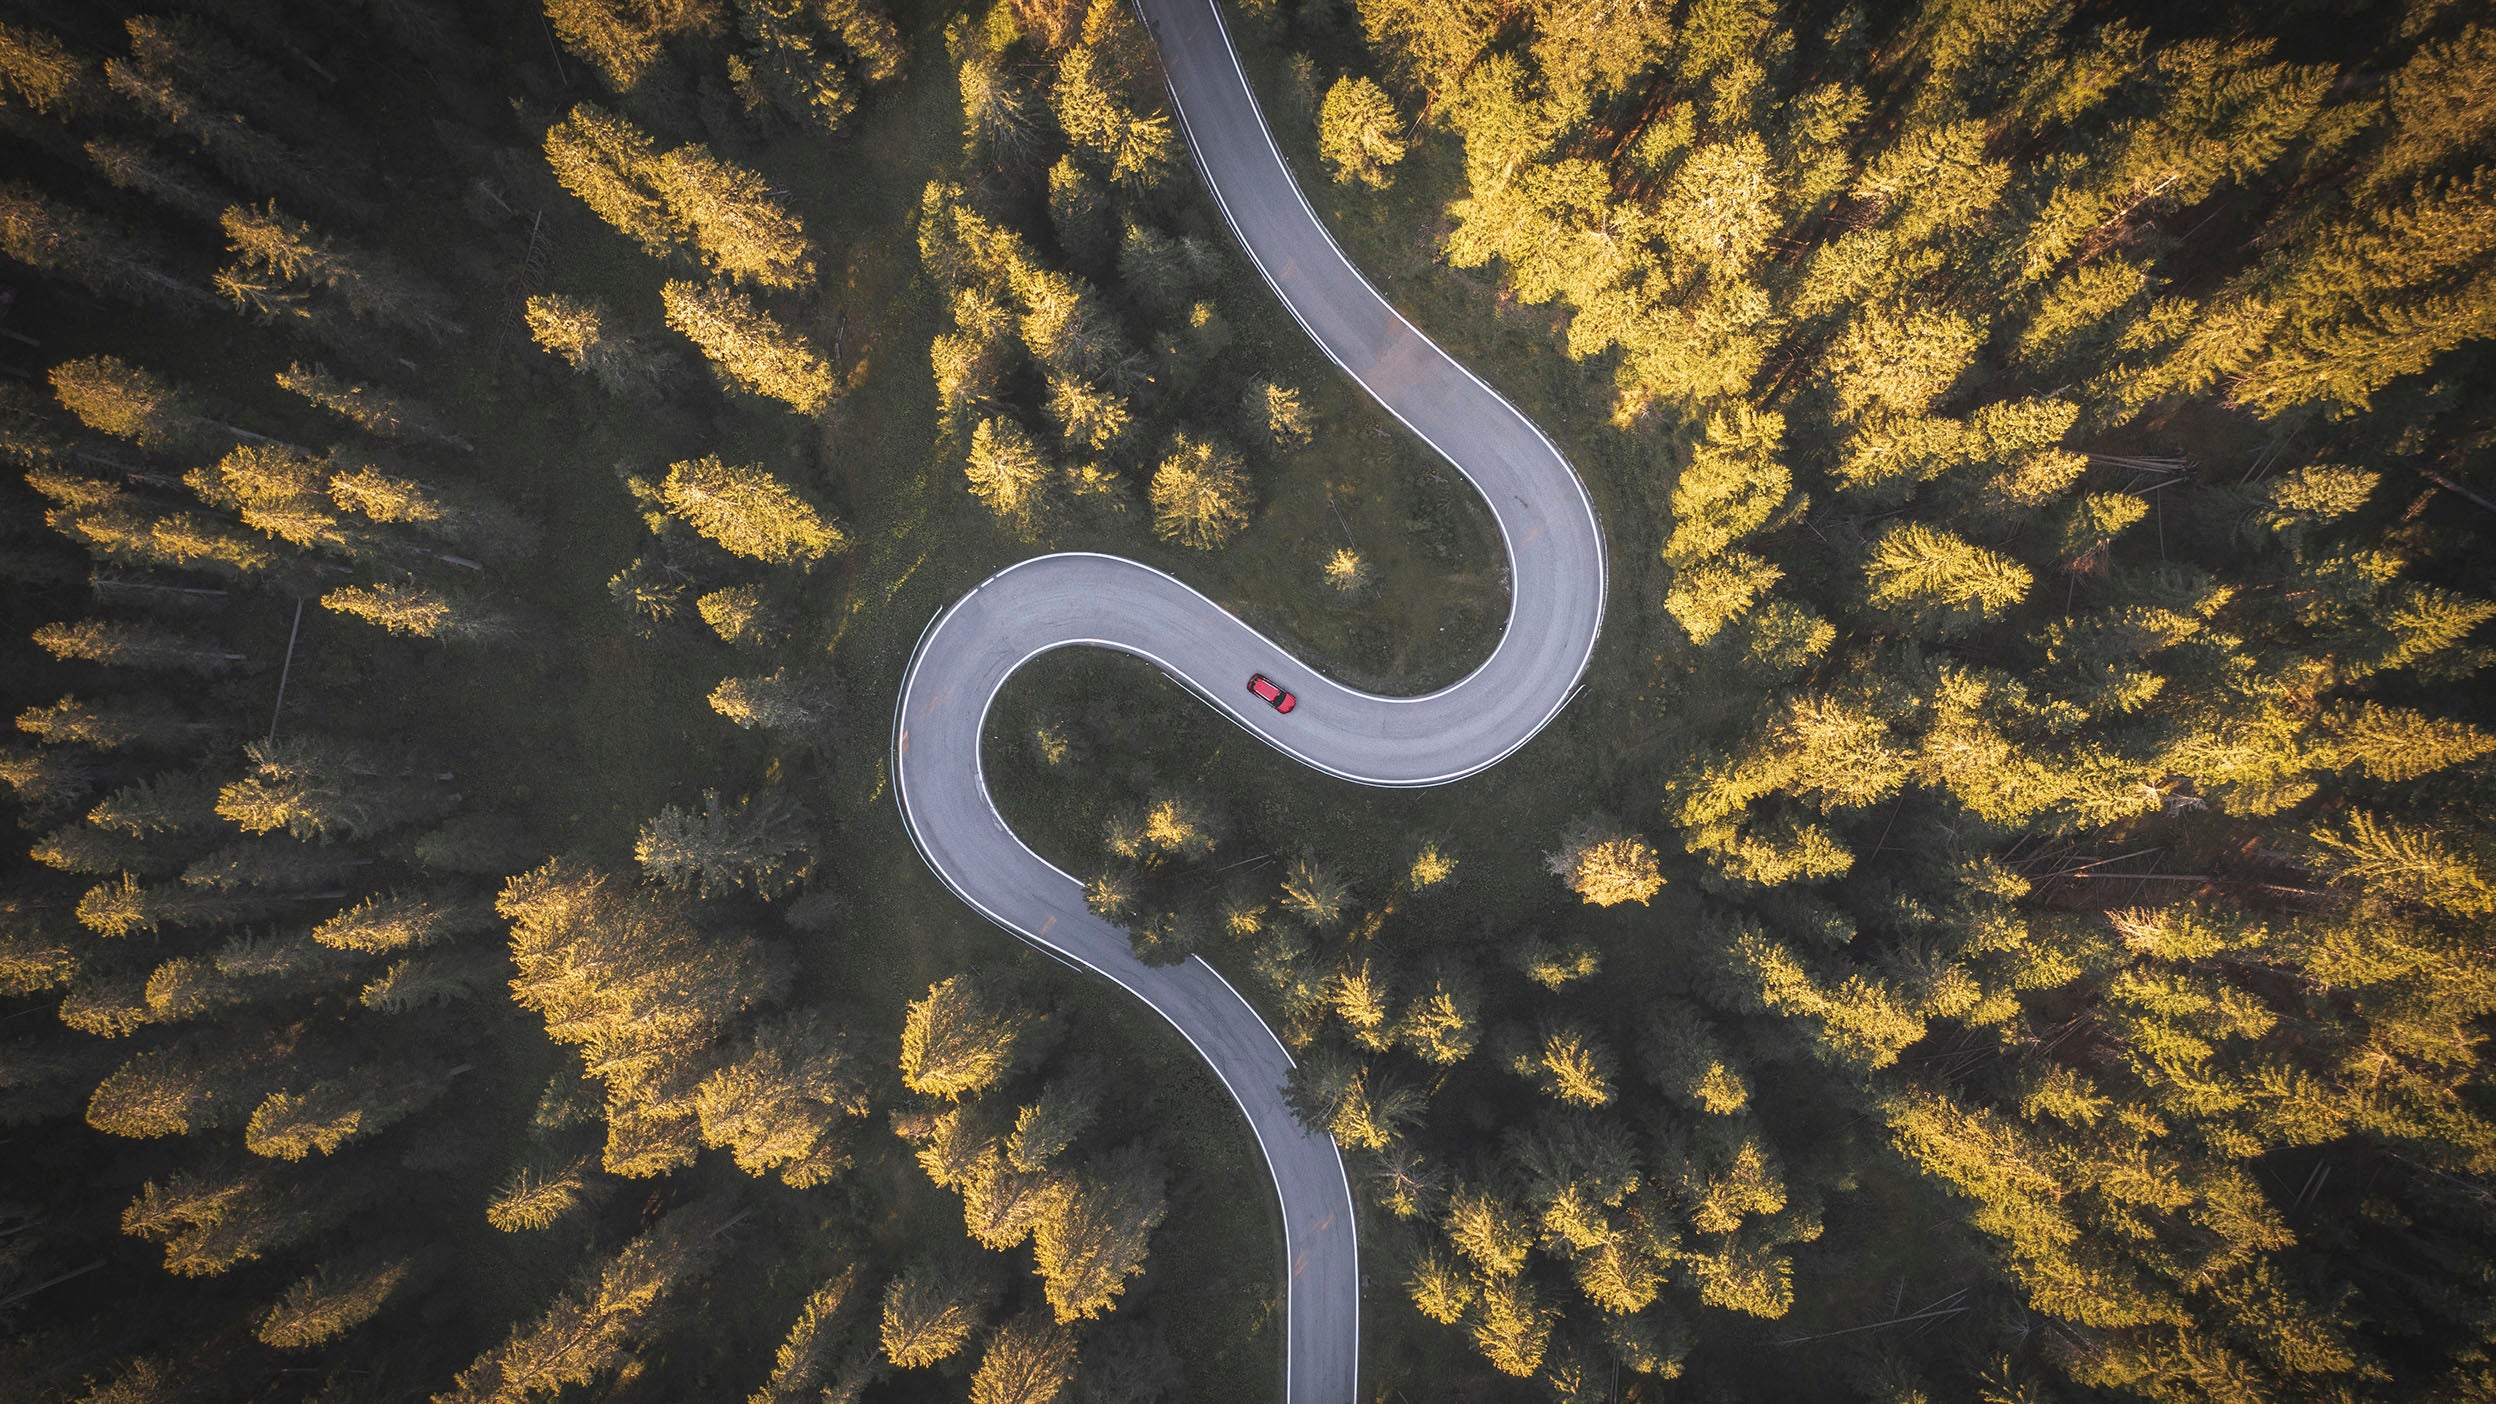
1556, 574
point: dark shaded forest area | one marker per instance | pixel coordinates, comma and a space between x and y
2006, 920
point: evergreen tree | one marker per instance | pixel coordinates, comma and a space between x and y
1079, 214
414, 609
582, 332
1200, 495
283, 265
336, 1109
114, 397
323, 790
795, 704
780, 1105
67, 242
371, 408
806, 1355
1605, 866
623, 973
333, 1299
1135, 149
534, 1199
1359, 132
1007, 472
1274, 418
589, 1332
623, 41
725, 213
931, 1312
761, 842
1028, 1360
39, 72
1098, 1235
1938, 581
752, 350
749, 512
129, 644
958, 1040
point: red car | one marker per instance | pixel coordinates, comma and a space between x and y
1264, 687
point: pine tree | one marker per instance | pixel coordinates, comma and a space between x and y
1939, 581
2394, 743
959, 1040
931, 1312
750, 347
213, 1222
1570, 1067
1604, 866
622, 972
1200, 495
725, 213
335, 1298
1007, 472
589, 1332
1028, 1360
996, 110
1098, 1236
39, 72
114, 397
780, 1105
322, 790
1086, 413
582, 331
2404, 862
1079, 214
241, 150
67, 242
371, 408
1274, 418
624, 41
795, 704
805, 1356
533, 1198
761, 843
1359, 132
1314, 892
129, 721
1136, 150
743, 616
416, 610
128, 644
283, 263
178, 1090
784, 67
749, 512
336, 1109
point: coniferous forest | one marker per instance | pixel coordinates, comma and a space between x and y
2006, 919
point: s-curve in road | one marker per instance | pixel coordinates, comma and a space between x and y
1556, 574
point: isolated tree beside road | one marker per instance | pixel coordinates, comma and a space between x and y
1200, 494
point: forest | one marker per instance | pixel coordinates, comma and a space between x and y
477, 471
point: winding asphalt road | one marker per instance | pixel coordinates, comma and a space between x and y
1556, 575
